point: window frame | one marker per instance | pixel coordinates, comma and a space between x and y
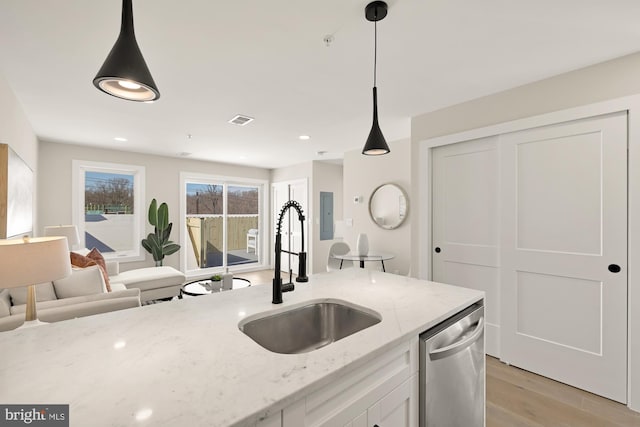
226, 182
80, 167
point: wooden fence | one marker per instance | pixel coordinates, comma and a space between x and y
209, 231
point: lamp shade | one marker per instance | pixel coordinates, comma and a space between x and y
35, 260
376, 144
124, 73
68, 231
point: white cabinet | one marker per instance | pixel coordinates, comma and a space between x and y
383, 391
396, 409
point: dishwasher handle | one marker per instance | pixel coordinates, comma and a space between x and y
457, 347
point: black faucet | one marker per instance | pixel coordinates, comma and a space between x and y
278, 287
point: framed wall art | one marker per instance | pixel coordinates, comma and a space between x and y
16, 195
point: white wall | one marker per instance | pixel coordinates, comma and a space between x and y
16, 131
292, 173
162, 183
610, 80
363, 174
326, 177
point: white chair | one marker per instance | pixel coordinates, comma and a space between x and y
338, 248
252, 240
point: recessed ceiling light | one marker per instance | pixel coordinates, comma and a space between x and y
120, 139
304, 137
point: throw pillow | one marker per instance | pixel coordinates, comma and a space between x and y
81, 261
44, 292
94, 257
83, 281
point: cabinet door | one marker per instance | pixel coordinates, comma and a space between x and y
398, 408
347, 400
359, 421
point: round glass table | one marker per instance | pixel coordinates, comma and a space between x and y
371, 256
206, 287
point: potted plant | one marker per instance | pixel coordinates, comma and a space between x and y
158, 243
216, 283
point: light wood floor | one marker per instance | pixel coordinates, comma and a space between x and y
517, 398
262, 277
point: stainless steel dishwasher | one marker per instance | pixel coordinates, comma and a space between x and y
452, 371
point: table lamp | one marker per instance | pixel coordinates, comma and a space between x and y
68, 231
30, 261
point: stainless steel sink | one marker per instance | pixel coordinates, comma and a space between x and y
307, 328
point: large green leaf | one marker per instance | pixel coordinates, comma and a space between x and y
166, 233
157, 254
154, 241
147, 246
153, 213
170, 249
163, 217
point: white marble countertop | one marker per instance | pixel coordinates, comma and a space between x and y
186, 363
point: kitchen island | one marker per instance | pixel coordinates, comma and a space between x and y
186, 363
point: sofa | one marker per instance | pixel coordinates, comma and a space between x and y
153, 282
84, 293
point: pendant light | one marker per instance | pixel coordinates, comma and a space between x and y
375, 145
124, 73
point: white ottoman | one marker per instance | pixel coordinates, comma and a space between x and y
153, 282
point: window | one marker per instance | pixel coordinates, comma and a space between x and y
222, 223
107, 208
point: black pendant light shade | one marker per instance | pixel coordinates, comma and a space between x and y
124, 73
376, 144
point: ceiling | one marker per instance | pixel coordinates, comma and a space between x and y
212, 60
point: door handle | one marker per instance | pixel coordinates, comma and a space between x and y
457, 347
437, 249
614, 268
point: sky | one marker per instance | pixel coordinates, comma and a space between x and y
91, 179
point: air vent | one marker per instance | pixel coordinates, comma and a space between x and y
241, 120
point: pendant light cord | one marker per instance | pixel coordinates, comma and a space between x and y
375, 50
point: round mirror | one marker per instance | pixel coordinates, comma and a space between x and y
388, 206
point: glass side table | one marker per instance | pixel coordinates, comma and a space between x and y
206, 287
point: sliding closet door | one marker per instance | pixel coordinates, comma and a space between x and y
564, 252
465, 192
